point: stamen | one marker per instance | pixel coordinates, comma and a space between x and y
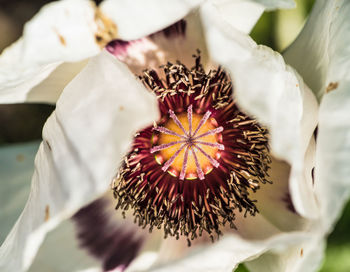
199, 169
184, 165
202, 121
218, 146
164, 146
210, 132
168, 131
177, 121
189, 118
212, 161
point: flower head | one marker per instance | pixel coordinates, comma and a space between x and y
205, 137
196, 166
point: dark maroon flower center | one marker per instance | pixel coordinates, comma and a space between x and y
198, 164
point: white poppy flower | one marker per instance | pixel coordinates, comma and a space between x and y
91, 130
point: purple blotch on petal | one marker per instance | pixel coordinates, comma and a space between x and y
114, 243
119, 48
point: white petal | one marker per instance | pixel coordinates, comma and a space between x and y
60, 252
333, 153
274, 200
16, 168
240, 14
173, 250
143, 262
99, 237
272, 92
61, 31
321, 54
320, 49
276, 4
84, 140
243, 14
227, 253
138, 18
182, 47
306, 256
50, 89
114, 240
254, 236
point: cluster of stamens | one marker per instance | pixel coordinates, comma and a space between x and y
199, 164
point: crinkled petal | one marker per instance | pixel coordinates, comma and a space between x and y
54, 35
71, 31
320, 49
306, 256
333, 154
324, 62
274, 200
50, 89
268, 89
186, 35
84, 141
173, 250
234, 247
139, 18
240, 14
243, 14
271, 248
223, 255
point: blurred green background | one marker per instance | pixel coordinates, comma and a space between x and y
23, 122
